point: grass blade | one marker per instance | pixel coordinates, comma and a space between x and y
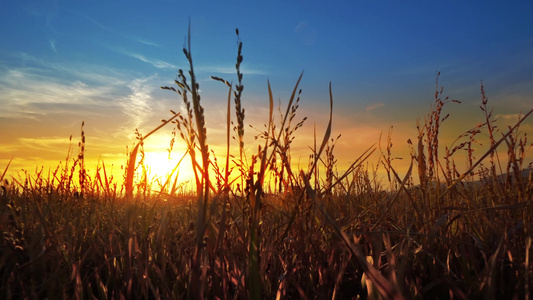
130, 170
5, 170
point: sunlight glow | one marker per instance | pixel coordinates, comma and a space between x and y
159, 166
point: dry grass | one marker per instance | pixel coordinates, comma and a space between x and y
264, 230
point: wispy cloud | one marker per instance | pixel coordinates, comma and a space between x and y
9, 149
98, 24
53, 143
97, 74
52, 43
508, 117
372, 107
147, 42
24, 93
47, 8
154, 62
32, 90
118, 33
136, 105
306, 33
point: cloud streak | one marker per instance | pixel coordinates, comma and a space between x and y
147, 42
136, 105
52, 43
118, 33
27, 92
372, 107
49, 143
154, 62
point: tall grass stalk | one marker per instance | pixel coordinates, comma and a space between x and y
198, 133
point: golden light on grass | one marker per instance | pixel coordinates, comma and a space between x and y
160, 166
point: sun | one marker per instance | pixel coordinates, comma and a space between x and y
160, 166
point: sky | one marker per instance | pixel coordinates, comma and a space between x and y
103, 62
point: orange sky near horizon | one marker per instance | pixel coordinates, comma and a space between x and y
354, 140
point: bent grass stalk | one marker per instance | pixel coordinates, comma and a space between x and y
5, 170
130, 169
491, 150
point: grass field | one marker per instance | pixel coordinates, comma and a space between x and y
256, 227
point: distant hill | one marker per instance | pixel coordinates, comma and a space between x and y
483, 181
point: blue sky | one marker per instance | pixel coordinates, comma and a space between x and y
103, 62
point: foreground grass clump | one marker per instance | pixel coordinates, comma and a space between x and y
262, 229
